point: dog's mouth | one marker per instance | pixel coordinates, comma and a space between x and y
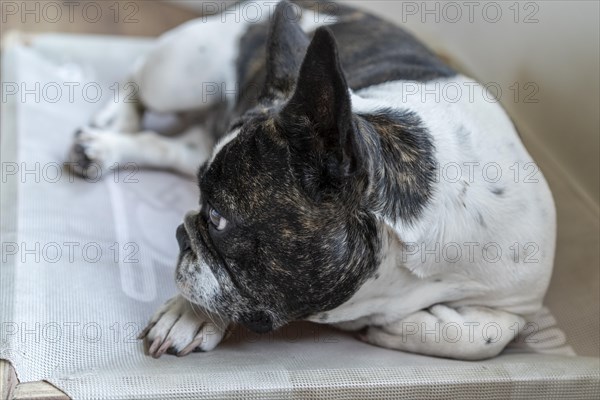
195, 238
195, 277
202, 275
182, 272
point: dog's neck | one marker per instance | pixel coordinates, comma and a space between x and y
401, 162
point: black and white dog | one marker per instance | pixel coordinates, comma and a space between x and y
329, 196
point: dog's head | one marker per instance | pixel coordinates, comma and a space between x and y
283, 230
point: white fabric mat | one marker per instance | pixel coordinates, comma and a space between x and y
85, 264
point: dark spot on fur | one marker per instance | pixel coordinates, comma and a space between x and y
481, 220
497, 191
463, 135
463, 193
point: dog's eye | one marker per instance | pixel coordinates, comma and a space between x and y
216, 219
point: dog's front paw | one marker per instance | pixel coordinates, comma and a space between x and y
180, 328
95, 151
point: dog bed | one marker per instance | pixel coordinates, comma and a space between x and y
87, 261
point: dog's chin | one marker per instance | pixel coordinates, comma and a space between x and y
196, 283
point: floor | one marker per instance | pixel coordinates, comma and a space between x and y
132, 18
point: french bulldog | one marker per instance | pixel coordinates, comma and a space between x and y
342, 188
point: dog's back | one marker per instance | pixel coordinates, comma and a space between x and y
371, 50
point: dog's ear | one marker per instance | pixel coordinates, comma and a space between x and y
286, 46
318, 118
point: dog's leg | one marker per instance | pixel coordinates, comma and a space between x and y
191, 68
122, 114
104, 149
179, 327
467, 333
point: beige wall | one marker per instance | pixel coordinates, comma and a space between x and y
558, 55
135, 17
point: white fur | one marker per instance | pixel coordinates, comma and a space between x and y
186, 62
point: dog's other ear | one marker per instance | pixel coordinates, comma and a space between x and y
286, 46
318, 118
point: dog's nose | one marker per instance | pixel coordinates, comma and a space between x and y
182, 239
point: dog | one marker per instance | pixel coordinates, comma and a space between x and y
328, 195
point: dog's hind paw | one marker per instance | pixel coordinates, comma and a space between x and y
180, 328
94, 152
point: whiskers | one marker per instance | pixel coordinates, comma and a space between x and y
203, 313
